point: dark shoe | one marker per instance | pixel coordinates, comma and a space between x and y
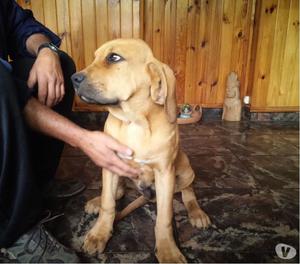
39, 246
64, 188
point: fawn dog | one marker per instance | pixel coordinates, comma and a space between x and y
139, 92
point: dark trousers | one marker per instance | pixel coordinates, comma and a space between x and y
28, 160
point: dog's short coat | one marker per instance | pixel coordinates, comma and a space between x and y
139, 91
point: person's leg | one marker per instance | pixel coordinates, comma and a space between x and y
47, 150
23, 237
20, 199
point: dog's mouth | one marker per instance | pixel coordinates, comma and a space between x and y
87, 100
98, 101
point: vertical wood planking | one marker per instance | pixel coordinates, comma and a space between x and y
191, 46
37, 8
126, 19
101, 21
50, 14
158, 28
262, 66
169, 36
137, 19
254, 47
201, 40
148, 23
209, 9
63, 25
251, 50
212, 68
201, 51
180, 47
76, 33
114, 30
227, 29
241, 40
89, 30
289, 88
278, 51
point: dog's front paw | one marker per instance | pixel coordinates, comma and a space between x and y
93, 206
94, 243
169, 254
198, 218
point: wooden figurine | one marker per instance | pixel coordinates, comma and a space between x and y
232, 107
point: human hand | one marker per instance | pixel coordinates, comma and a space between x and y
47, 73
103, 149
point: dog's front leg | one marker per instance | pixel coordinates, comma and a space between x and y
166, 249
97, 237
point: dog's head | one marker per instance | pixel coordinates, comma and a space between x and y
121, 69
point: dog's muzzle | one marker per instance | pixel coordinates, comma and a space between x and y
77, 79
88, 93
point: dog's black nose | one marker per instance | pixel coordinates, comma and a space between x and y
77, 79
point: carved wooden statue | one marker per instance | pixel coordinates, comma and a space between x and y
232, 107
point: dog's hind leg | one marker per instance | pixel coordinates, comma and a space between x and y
184, 179
93, 205
197, 216
96, 239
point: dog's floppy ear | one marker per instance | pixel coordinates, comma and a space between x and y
163, 90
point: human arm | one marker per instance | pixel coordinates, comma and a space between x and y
46, 71
100, 147
19, 26
24, 36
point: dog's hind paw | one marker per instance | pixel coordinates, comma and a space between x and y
93, 206
198, 218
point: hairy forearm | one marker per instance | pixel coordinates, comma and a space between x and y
34, 41
98, 146
46, 121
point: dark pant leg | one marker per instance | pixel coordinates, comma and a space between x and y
20, 198
46, 151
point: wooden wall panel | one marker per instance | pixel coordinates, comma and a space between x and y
63, 24
201, 40
276, 65
101, 22
50, 14
89, 30
180, 48
126, 19
212, 38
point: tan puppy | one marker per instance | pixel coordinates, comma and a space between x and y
140, 93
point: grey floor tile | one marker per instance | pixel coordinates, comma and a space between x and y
221, 172
274, 172
246, 180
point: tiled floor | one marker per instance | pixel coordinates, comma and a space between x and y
247, 181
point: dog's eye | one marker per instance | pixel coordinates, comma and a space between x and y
114, 58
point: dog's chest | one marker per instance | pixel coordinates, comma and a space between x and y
137, 137
147, 142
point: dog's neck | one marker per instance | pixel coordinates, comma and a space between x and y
136, 109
